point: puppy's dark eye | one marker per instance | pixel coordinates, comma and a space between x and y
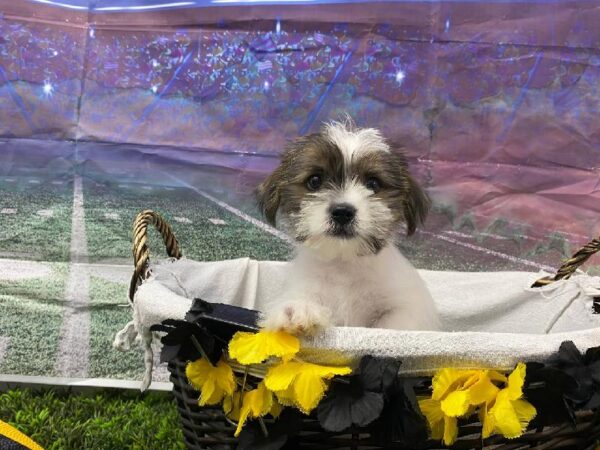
314, 182
373, 184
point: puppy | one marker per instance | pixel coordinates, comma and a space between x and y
343, 194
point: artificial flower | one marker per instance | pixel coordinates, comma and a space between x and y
401, 418
459, 393
177, 342
360, 400
213, 382
300, 383
347, 405
278, 434
211, 325
254, 348
232, 405
455, 393
255, 403
549, 390
378, 374
510, 414
222, 320
566, 382
585, 369
458, 390
441, 426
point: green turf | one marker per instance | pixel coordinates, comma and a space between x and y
103, 421
26, 234
200, 239
110, 312
31, 316
426, 252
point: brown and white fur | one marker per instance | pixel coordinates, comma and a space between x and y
343, 194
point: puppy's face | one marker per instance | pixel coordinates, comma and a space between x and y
343, 192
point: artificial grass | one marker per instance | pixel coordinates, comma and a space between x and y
27, 234
110, 238
30, 317
107, 420
110, 312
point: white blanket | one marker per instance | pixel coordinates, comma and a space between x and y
490, 319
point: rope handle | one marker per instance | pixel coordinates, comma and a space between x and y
141, 253
572, 264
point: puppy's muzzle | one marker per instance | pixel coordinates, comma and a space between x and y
343, 214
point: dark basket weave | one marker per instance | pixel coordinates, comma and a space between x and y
208, 428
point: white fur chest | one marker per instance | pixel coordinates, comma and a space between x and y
357, 291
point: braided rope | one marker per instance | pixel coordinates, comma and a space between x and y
572, 264
141, 253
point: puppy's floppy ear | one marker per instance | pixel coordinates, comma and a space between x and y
268, 195
416, 206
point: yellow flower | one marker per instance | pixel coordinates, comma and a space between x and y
457, 390
232, 405
276, 409
301, 384
254, 348
213, 382
457, 393
256, 403
441, 426
509, 415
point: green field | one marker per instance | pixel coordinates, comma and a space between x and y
35, 219
32, 309
110, 211
31, 316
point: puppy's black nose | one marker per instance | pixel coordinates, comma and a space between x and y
343, 213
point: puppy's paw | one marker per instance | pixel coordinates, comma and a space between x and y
297, 317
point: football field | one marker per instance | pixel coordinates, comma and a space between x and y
65, 258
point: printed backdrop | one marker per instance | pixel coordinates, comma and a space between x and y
111, 107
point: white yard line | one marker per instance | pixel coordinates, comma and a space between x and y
182, 220
45, 213
111, 215
3, 347
472, 236
74, 340
242, 215
487, 251
18, 269
89, 265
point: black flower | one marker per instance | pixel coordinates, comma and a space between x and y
585, 369
401, 419
347, 404
358, 400
207, 329
178, 341
222, 320
547, 389
286, 426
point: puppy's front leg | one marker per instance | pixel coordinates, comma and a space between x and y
296, 317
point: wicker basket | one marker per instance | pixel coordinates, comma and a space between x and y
207, 427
